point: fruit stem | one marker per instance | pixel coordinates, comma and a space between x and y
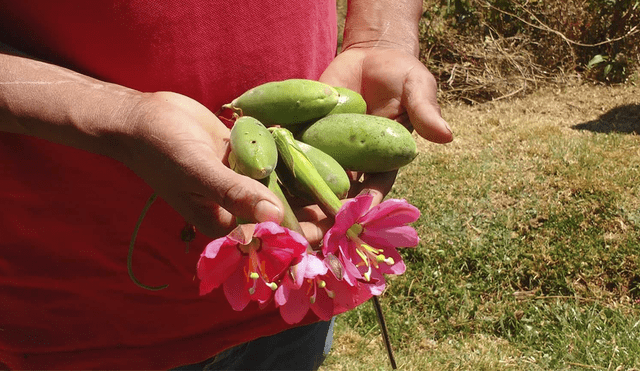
304, 171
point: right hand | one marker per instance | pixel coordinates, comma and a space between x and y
180, 148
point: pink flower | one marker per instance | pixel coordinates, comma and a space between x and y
302, 289
249, 262
310, 285
365, 240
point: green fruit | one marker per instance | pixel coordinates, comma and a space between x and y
303, 170
328, 168
287, 102
362, 142
349, 101
253, 150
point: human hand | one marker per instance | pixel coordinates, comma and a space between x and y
395, 84
180, 149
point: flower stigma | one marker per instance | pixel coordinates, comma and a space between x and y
370, 256
256, 269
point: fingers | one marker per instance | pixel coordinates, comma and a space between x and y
245, 198
192, 145
419, 99
376, 184
314, 224
212, 204
314, 232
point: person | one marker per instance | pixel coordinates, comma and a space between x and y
103, 103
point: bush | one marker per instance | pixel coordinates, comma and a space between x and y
491, 49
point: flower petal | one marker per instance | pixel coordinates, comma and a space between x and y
213, 272
323, 306
282, 293
263, 293
404, 236
376, 286
346, 297
333, 239
242, 234
390, 213
213, 248
350, 271
398, 268
315, 267
297, 306
236, 290
268, 229
275, 262
351, 211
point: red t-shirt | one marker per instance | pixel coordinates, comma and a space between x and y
66, 300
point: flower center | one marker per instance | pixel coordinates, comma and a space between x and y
370, 256
256, 268
312, 290
254, 245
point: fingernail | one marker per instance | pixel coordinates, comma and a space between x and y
366, 191
267, 212
446, 124
377, 195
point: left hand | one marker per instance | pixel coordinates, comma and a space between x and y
396, 85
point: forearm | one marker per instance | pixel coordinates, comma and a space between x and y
59, 105
383, 23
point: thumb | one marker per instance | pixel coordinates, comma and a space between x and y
247, 198
216, 197
419, 99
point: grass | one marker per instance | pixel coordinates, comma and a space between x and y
530, 242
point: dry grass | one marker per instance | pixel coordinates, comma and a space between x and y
529, 241
351, 351
483, 50
531, 216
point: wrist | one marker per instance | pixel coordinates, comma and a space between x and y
383, 24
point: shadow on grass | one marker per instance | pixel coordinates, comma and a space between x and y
622, 119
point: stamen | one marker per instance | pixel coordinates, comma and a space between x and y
312, 298
367, 275
364, 258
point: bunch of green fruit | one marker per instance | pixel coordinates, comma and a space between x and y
330, 125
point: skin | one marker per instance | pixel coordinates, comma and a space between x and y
379, 60
165, 135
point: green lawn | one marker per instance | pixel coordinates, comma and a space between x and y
530, 242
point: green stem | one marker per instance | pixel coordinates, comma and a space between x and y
133, 242
289, 220
304, 171
383, 329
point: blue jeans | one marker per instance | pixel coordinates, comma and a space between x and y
299, 348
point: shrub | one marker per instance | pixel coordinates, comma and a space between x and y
492, 49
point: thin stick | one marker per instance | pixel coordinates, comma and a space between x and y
133, 242
385, 333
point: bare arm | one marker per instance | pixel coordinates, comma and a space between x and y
392, 23
59, 105
159, 136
